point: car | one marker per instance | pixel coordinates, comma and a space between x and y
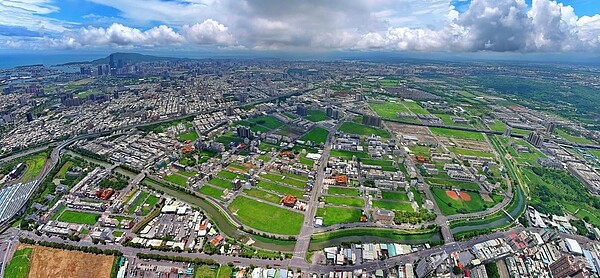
236, 261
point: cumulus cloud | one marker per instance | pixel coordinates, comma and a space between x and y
208, 32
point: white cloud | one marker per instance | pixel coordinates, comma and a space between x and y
31, 14
208, 32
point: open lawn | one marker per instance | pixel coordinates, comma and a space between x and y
266, 217
345, 201
415, 107
191, 135
317, 135
462, 151
283, 190
63, 170
19, 264
79, 217
359, 129
204, 271
177, 179
211, 191
348, 154
34, 166
572, 138
335, 215
220, 183
498, 126
382, 163
227, 174
343, 191
263, 195
393, 205
396, 196
388, 109
446, 132
454, 183
149, 204
316, 116
267, 121
449, 206
285, 179
139, 201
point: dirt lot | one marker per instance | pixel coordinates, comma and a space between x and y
48, 262
421, 132
472, 144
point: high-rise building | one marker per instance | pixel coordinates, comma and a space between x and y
301, 110
100, 70
535, 139
371, 120
111, 65
243, 131
29, 116
569, 266
507, 131
229, 111
550, 127
332, 113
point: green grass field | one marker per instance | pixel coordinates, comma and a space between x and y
19, 264
456, 133
396, 196
388, 109
191, 135
220, 183
498, 126
335, 215
448, 206
316, 116
393, 205
34, 166
359, 129
415, 107
63, 170
149, 204
447, 119
204, 271
283, 190
377, 162
227, 174
349, 154
573, 139
454, 183
211, 191
317, 135
343, 191
177, 179
267, 121
266, 217
288, 179
139, 201
263, 195
345, 201
470, 152
79, 217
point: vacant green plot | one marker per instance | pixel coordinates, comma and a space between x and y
34, 166
224, 271
306, 161
448, 206
395, 235
388, 82
191, 135
63, 170
204, 271
359, 129
226, 139
388, 109
572, 138
227, 174
498, 126
79, 217
348, 154
267, 121
446, 132
237, 167
317, 135
415, 107
343, 191
139, 201
462, 151
287, 179
187, 174
266, 217
447, 120
177, 179
19, 264
211, 191
345, 201
388, 163
393, 205
397, 196
454, 183
283, 190
220, 183
336, 215
257, 128
316, 116
263, 195
149, 204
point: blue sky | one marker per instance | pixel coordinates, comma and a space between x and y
452, 26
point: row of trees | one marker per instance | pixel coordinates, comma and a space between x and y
158, 257
63, 246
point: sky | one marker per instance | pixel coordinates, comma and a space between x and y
402, 26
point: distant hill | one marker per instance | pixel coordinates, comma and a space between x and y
127, 57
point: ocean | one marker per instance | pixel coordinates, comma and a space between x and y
11, 60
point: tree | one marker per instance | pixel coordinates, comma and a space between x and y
456, 270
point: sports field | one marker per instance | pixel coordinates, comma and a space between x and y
266, 217
79, 217
467, 202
